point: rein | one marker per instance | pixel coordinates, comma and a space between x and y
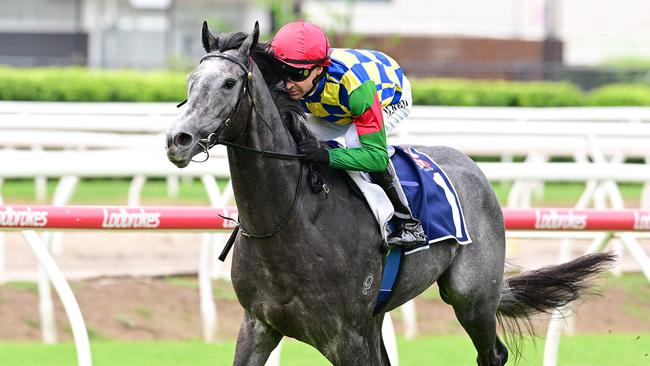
213, 139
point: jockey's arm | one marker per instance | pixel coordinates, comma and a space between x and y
372, 156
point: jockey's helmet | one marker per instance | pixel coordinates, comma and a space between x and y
301, 46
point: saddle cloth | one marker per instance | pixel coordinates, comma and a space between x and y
431, 196
430, 193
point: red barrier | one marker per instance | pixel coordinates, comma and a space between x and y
207, 219
569, 219
115, 218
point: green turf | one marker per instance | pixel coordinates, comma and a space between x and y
582, 350
115, 191
566, 194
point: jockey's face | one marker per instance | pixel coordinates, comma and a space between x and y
298, 89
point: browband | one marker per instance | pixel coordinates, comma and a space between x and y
230, 58
240, 63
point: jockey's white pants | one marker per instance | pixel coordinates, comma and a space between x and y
347, 134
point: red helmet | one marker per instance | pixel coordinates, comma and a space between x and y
302, 45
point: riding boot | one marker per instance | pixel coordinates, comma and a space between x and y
408, 231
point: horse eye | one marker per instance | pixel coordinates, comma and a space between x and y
229, 84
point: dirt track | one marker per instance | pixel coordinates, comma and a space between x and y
161, 308
93, 254
135, 305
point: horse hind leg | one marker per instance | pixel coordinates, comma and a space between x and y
480, 325
475, 296
255, 342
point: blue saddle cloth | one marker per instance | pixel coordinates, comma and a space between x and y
433, 201
431, 196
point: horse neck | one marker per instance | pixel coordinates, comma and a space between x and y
263, 187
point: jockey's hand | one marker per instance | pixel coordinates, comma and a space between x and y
314, 151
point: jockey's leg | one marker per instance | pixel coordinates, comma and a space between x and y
408, 231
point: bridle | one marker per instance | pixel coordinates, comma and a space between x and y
213, 139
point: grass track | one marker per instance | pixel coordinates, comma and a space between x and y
581, 350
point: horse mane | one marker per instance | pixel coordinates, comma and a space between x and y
290, 110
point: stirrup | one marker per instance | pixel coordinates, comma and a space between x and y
407, 236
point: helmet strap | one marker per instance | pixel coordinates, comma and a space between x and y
317, 80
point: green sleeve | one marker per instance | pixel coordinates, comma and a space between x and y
367, 116
362, 98
372, 156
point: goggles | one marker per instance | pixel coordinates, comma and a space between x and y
295, 73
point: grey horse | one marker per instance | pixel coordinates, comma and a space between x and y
307, 262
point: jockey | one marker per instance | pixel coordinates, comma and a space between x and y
359, 94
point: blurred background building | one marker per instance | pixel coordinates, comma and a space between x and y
112, 33
511, 39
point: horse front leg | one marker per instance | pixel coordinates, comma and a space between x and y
255, 342
358, 347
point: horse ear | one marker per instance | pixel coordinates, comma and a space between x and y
210, 42
250, 42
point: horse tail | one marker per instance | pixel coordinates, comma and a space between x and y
544, 290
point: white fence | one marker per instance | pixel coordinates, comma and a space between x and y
71, 141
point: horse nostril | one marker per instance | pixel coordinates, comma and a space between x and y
183, 139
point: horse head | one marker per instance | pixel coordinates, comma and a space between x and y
217, 89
